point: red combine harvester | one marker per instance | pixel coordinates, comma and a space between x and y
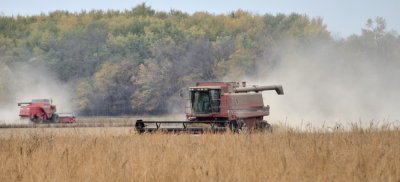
43, 111
216, 106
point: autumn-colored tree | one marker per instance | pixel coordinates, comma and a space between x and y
136, 61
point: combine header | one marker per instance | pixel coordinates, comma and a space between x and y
43, 111
218, 106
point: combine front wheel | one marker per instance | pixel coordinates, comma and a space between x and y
237, 126
233, 126
37, 119
54, 118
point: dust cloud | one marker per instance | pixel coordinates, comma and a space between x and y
27, 82
325, 85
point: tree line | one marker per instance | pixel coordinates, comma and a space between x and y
136, 61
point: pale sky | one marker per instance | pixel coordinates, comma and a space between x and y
342, 17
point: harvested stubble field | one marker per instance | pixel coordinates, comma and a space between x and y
116, 154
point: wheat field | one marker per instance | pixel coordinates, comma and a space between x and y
119, 154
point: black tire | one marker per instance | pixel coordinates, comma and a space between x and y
37, 120
236, 126
139, 126
264, 126
54, 118
233, 126
243, 129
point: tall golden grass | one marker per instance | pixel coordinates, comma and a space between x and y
288, 155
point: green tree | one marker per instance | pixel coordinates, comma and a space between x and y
113, 84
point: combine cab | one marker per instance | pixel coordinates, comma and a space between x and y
218, 106
42, 111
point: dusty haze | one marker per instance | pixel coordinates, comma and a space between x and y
28, 82
325, 85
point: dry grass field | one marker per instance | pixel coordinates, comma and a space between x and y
116, 154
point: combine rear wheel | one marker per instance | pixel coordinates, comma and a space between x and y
264, 126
